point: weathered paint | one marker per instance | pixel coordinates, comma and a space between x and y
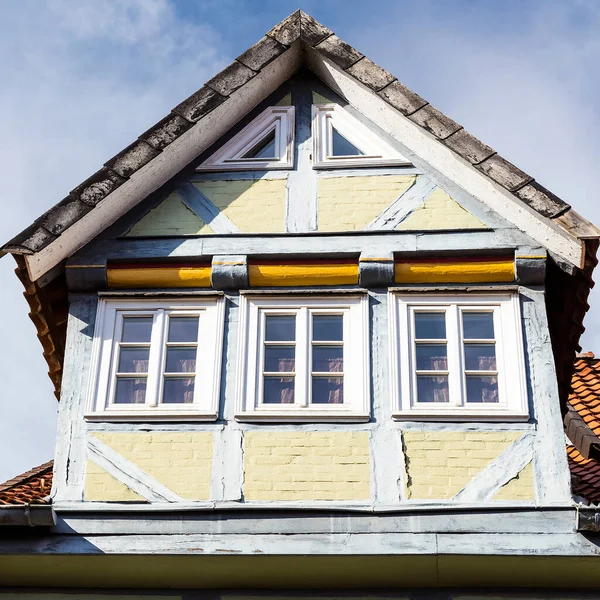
158, 277
182, 461
101, 486
306, 465
292, 275
439, 211
320, 99
351, 203
170, 217
254, 206
520, 487
445, 270
440, 463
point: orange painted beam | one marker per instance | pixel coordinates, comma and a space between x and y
455, 271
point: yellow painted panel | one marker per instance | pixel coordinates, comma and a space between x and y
285, 101
351, 203
306, 465
519, 488
440, 463
455, 272
319, 99
440, 211
253, 205
170, 217
182, 461
302, 275
176, 277
100, 486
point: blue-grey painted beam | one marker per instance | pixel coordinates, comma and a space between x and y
198, 203
408, 201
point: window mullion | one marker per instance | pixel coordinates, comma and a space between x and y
156, 358
455, 352
303, 338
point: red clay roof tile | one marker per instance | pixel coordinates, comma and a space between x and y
32, 487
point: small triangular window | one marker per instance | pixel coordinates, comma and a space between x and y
264, 149
342, 147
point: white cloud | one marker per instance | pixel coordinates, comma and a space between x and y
84, 80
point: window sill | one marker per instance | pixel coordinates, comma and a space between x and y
458, 415
302, 417
151, 415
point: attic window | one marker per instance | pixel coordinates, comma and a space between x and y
303, 359
458, 357
341, 140
265, 143
156, 359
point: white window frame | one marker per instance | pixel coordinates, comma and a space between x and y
105, 355
356, 405
275, 118
513, 404
378, 153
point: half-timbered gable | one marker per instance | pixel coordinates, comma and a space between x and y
310, 317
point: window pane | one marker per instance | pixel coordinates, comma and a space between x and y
432, 389
130, 391
327, 390
278, 390
478, 326
178, 390
432, 357
133, 360
280, 358
183, 329
328, 328
430, 326
342, 147
264, 149
136, 329
280, 328
482, 389
480, 357
180, 360
328, 359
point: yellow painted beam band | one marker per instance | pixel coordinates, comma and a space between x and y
179, 277
455, 272
302, 275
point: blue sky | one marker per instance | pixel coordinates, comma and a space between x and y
81, 79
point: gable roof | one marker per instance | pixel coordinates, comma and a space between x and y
32, 487
199, 120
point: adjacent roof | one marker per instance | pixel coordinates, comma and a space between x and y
32, 487
298, 27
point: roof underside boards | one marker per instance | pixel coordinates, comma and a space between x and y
197, 122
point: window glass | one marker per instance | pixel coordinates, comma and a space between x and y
341, 146
264, 149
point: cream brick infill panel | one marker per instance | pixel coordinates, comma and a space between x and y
439, 211
182, 461
170, 217
101, 486
307, 465
254, 206
351, 203
520, 487
440, 463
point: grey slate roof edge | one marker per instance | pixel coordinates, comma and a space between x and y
298, 25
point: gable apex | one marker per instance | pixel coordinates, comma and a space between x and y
195, 123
